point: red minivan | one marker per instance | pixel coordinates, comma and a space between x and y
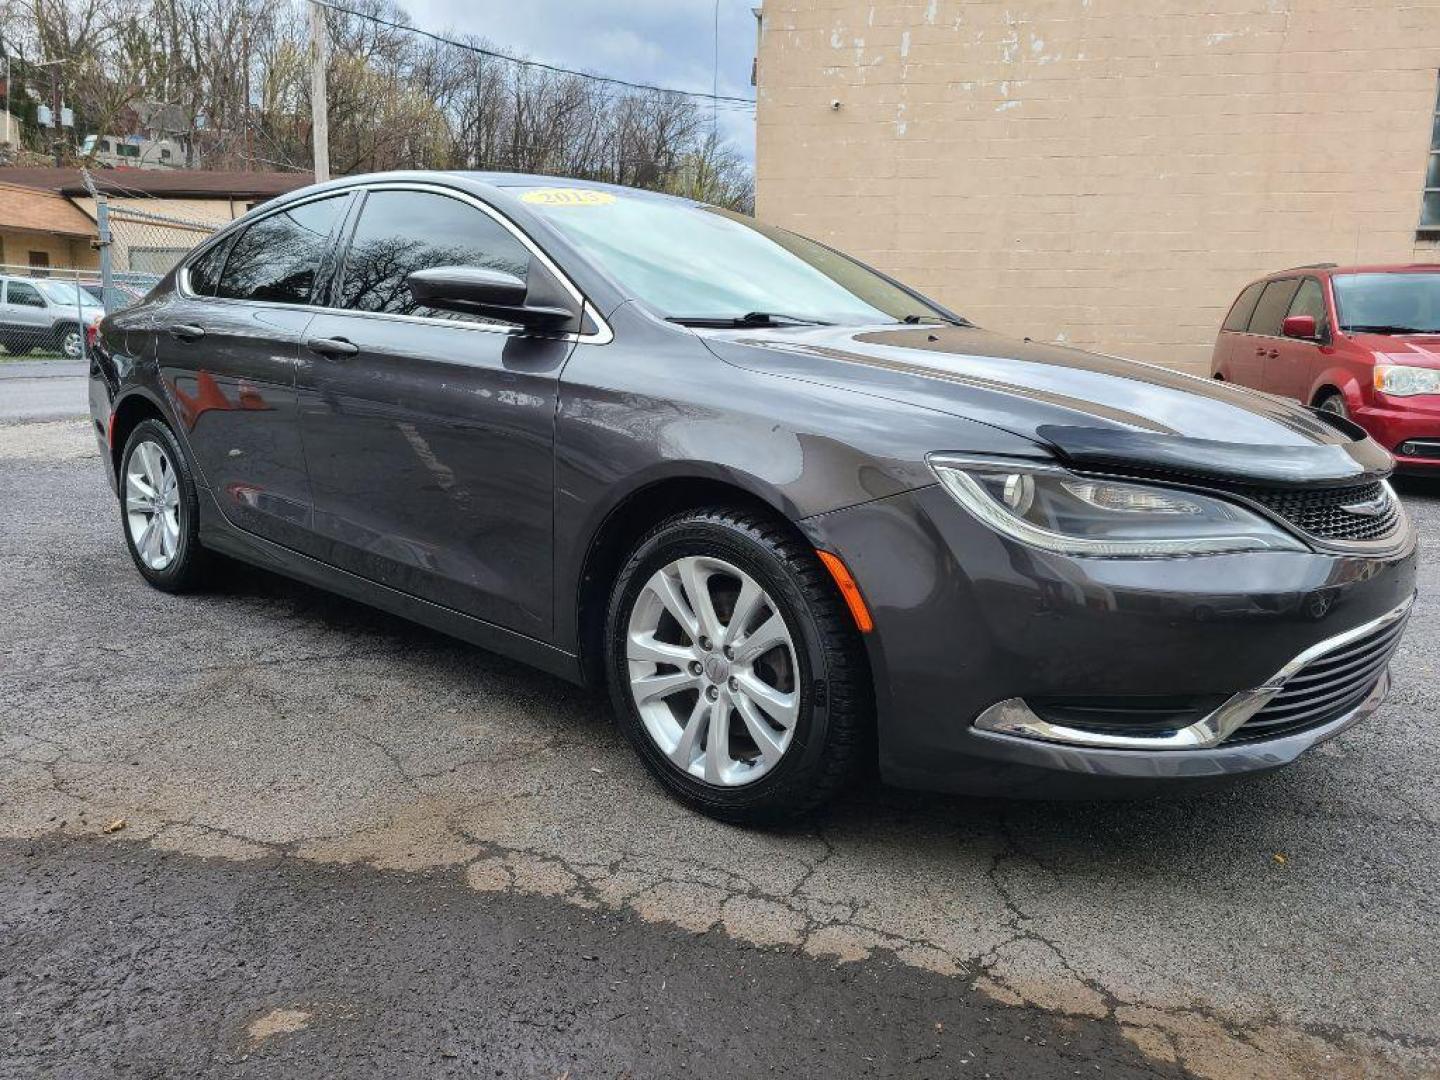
1361, 341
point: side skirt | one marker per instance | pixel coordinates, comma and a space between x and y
219, 535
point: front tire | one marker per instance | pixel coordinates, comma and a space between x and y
70, 341
160, 511
735, 670
1333, 402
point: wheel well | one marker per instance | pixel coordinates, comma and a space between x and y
1325, 391
640, 512
131, 412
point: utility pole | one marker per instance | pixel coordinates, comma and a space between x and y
319, 109
55, 113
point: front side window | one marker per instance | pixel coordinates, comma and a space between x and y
1271, 308
62, 293
1244, 307
276, 258
688, 261
1310, 300
18, 292
400, 232
1388, 303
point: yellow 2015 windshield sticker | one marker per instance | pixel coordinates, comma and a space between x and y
558, 196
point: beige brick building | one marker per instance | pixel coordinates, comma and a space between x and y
1104, 172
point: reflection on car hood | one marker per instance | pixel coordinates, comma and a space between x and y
1089, 409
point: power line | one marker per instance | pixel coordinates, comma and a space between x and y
715, 99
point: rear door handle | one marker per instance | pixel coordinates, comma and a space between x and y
1273, 354
187, 332
332, 346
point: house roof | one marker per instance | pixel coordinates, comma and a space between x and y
160, 183
28, 210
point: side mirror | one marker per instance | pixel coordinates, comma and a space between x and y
1299, 326
491, 293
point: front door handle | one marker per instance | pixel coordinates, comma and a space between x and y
334, 347
187, 332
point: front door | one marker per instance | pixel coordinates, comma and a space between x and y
430, 434
227, 349
27, 319
1294, 363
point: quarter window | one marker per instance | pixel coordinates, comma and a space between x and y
1243, 308
276, 258
400, 232
205, 271
17, 292
1274, 302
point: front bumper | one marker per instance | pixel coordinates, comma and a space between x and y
1393, 422
966, 619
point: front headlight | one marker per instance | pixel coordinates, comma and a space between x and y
1400, 381
1046, 507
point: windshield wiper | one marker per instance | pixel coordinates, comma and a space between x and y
750, 318
1383, 328
913, 320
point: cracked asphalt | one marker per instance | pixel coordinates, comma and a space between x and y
354, 847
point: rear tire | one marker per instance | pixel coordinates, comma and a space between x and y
1333, 402
160, 510
795, 715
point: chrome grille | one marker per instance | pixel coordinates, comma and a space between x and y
1326, 688
1322, 512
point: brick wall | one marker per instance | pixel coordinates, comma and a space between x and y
1104, 173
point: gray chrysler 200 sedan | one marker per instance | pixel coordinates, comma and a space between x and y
796, 515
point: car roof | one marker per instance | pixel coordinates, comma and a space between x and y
1332, 269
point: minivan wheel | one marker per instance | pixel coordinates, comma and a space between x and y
159, 509
734, 668
1333, 403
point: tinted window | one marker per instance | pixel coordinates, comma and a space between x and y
1244, 307
17, 292
400, 232
1274, 302
276, 258
1310, 300
205, 271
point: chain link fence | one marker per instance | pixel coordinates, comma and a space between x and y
46, 311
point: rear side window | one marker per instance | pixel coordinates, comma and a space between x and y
1244, 307
205, 271
400, 232
276, 258
17, 292
1310, 300
1274, 302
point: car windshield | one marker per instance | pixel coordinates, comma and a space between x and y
64, 293
1388, 303
706, 265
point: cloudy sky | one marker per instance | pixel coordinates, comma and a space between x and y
668, 43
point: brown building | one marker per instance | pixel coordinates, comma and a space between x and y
1101, 172
47, 216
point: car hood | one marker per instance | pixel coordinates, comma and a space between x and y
1413, 350
1088, 409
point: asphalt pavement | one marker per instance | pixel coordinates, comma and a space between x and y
267, 832
42, 390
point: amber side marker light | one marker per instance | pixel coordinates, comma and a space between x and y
848, 589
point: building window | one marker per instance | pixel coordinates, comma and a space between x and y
164, 155
104, 146
1430, 208
127, 149
40, 263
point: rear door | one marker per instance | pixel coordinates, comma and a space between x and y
227, 342
1292, 364
430, 434
1262, 337
1237, 320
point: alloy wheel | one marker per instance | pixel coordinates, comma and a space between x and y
152, 504
70, 344
713, 671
